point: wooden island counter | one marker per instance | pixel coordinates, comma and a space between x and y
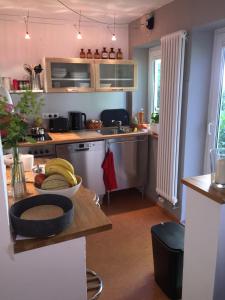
54, 267
88, 219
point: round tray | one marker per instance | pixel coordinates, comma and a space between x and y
41, 228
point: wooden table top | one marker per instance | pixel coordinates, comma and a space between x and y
88, 219
81, 136
202, 184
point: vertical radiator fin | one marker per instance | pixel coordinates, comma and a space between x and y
172, 65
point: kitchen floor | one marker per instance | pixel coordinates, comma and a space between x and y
123, 256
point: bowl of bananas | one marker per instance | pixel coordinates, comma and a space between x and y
59, 178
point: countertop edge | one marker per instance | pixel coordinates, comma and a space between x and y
80, 138
202, 185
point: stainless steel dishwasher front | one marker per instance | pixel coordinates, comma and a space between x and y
87, 160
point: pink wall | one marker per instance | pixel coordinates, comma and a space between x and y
50, 41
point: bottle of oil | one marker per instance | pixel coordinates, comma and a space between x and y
89, 54
140, 116
97, 54
112, 54
82, 54
105, 54
119, 54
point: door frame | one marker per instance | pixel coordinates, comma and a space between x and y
216, 82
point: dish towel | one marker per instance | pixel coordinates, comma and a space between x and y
109, 175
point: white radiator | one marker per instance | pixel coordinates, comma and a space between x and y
172, 65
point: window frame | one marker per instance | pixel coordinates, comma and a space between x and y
154, 54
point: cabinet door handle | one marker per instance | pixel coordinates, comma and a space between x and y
71, 90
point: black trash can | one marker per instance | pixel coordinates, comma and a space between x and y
168, 250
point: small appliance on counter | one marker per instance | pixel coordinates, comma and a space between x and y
109, 116
59, 124
77, 120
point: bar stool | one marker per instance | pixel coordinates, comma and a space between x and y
94, 281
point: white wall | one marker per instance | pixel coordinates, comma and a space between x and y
50, 41
59, 41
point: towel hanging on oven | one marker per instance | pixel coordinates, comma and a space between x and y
109, 175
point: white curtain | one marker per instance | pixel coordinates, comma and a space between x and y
172, 65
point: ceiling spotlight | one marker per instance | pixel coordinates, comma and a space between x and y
26, 20
113, 37
114, 30
79, 36
27, 36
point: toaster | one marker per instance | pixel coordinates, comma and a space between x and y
59, 124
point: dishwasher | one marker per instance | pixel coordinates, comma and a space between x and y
87, 160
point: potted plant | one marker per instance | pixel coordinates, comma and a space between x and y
154, 127
14, 124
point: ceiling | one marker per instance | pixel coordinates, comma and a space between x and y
103, 10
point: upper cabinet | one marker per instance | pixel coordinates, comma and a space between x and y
88, 75
116, 75
69, 75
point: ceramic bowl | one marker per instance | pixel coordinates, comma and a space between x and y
69, 192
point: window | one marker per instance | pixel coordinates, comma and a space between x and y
154, 79
216, 114
221, 126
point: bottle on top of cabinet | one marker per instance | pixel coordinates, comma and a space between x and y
119, 54
140, 116
89, 54
105, 54
97, 54
82, 54
112, 54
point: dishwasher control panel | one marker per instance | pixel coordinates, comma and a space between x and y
87, 146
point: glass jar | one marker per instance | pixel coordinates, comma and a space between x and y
97, 54
82, 54
105, 54
119, 54
217, 162
112, 54
89, 54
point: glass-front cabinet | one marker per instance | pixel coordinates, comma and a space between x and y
69, 75
116, 75
89, 75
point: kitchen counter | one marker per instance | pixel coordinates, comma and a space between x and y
88, 219
81, 136
202, 184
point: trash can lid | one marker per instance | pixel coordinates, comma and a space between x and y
171, 234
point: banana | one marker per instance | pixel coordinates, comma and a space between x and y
56, 169
60, 162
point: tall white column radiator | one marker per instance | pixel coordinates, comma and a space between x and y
172, 65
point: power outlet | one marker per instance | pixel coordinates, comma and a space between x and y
50, 115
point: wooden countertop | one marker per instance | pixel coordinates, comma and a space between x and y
88, 219
81, 136
202, 184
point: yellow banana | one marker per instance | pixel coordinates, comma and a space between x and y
60, 162
56, 169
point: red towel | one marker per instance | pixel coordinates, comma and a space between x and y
109, 175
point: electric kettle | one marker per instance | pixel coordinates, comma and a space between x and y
77, 120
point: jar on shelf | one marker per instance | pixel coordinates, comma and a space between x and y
119, 54
97, 54
217, 159
112, 54
82, 54
89, 54
105, 54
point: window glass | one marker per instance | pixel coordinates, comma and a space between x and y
221, 130
157, 69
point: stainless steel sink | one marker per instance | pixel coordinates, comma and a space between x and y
110, 131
